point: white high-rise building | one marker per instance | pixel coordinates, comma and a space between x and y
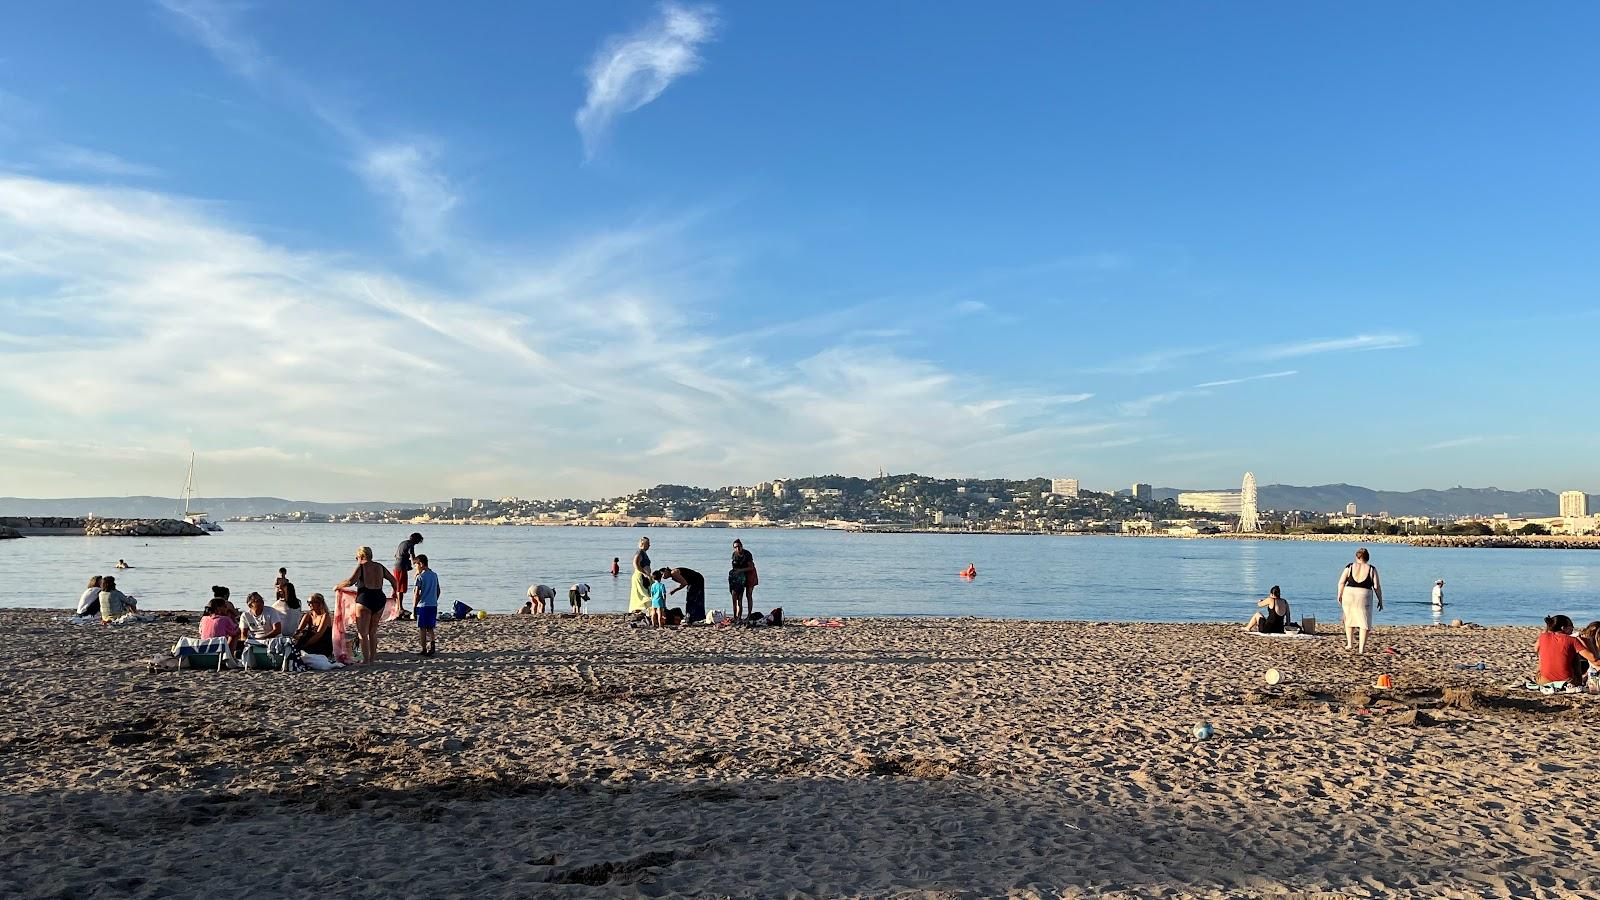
1574, 504
1064, 487
1225, 502
1248, 519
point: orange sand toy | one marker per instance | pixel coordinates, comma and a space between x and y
1385, 681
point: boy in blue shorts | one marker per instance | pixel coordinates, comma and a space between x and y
658, 601
426, 603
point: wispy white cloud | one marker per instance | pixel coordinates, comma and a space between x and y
215, 27
1468, 441
1336, 345
631, 70
304, 374
1152, 362
1143, 406
1229, 381
95, 162
971, 307
406, 175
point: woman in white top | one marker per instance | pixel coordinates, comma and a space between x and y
1358, 584
89, 600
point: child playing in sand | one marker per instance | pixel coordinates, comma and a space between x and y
658, 601
426, 603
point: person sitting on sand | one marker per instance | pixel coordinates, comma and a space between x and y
315, 634
114, 604
287, 604
259, 622
1273, 615
89, 600
217, 623
1562, 657
1590, 637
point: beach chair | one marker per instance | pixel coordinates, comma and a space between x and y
212, 653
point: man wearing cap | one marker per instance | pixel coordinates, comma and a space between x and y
1438, 594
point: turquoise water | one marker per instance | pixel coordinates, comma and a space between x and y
834, 573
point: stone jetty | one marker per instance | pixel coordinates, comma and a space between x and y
30, 526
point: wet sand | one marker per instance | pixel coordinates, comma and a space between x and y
893, 757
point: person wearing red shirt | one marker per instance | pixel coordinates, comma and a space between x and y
1562, 657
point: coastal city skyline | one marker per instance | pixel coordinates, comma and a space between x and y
341, 254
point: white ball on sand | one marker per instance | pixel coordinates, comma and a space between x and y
1203, 731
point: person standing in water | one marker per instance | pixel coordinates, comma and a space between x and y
616, 566
1438, 594
1358, 584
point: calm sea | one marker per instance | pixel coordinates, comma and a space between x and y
830, 573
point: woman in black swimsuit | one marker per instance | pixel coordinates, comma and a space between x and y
315, 634
368, 579
1273, 615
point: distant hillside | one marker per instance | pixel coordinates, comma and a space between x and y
1457, 501
154, 507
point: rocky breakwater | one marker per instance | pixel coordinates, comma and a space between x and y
26, 526
142, 528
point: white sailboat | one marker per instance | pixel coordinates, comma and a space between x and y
195, 518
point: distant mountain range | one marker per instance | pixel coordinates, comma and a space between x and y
1456, 501
218, 508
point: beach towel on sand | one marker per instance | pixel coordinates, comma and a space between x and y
1285, 636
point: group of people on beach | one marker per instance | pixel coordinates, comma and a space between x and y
648, 594
1359, 585
376, 594
102, 598
311, 630
1566, 660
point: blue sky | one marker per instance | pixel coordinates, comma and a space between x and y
570, 249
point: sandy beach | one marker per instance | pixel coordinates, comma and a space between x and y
892, 757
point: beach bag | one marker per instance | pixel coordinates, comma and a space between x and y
1308, 624
776, 618
460, 610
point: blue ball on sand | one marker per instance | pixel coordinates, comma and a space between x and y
1203, 731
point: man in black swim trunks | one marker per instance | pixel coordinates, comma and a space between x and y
404, 555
